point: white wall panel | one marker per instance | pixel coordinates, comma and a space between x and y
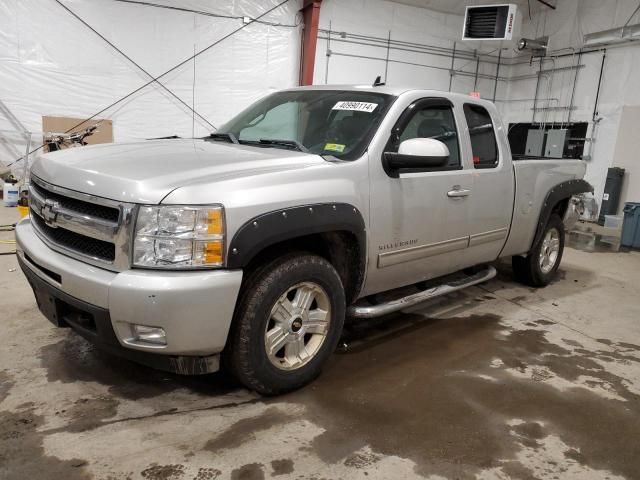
406, 23
627, 154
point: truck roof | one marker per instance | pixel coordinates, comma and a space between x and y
392, 90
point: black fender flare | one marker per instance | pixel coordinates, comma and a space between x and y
286, 224
558, 193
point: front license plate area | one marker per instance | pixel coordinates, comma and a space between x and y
48, 305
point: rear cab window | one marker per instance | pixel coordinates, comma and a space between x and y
484, 147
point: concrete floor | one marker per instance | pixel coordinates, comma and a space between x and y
500, 381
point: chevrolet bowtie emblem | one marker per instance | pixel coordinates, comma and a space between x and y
49, 212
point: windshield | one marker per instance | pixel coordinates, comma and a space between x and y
325, 122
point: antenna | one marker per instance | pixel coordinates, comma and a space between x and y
378, 82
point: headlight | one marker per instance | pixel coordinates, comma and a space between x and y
179, 237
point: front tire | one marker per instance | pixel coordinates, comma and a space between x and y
539, 267
287, 323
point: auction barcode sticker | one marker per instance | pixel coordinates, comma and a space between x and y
355, 106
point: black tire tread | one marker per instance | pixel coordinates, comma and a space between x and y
526, 269
259, 283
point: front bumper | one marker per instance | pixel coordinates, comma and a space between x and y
195, 309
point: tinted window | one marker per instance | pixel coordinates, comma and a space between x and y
483, 139
435, 122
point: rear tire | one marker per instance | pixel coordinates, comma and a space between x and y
287, 323
539, 267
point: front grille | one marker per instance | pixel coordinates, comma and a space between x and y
82, 244
84, 208
92, 229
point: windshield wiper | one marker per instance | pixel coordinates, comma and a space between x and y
223, 136
284, 143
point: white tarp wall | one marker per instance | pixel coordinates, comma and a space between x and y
565, 26
51, 64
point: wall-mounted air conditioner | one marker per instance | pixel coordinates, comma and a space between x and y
489, 22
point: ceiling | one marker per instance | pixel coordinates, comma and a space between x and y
457, 6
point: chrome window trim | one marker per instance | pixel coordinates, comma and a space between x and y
88, 225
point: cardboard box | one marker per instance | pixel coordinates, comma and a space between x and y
60, 125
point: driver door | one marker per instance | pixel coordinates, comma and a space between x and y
419, 221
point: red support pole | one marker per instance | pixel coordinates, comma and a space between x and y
311, 14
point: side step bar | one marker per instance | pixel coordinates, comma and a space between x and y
372, 311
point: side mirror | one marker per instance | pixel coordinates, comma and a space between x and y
416, 153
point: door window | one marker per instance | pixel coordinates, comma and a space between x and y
483, 138
435, 122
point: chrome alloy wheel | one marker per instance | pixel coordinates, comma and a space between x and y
549, 251
298, 326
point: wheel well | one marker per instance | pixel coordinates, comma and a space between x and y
561, 207
340, 248
557, 201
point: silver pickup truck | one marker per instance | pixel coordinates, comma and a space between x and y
248, 248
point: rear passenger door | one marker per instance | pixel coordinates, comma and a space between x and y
493, 184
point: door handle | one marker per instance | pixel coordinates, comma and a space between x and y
458, 192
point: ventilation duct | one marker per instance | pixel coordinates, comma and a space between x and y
615, 35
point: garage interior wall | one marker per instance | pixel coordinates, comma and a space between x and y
53, 65
627, 153
619, 89
346, 54
356, 60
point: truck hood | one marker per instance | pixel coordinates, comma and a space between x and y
147, 171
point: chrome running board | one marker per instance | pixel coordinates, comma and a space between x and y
363, 310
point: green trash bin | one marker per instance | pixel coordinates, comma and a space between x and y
631, 225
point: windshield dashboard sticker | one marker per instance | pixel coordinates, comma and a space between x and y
394, 245
355, 106
335, 147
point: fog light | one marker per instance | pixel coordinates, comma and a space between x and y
152, 335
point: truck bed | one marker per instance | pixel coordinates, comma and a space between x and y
534, 178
